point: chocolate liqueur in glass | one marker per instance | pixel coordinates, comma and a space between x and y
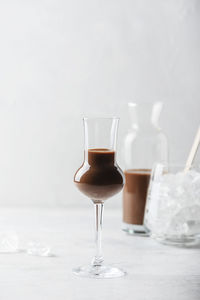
99, 178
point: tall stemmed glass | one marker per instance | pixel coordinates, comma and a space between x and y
99, 178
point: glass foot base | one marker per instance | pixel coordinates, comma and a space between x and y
99, 272
134, 229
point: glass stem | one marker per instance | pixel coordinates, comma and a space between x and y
98, 258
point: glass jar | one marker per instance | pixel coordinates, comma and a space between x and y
172, 212
144, 144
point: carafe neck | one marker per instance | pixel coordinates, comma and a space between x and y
145, 116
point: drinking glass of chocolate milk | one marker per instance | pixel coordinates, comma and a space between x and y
144, 145
99, 178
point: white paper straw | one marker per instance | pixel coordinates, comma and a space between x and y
193, 151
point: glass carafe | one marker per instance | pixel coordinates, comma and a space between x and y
144, 144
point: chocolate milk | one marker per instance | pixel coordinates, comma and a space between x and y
134, 195
99, 177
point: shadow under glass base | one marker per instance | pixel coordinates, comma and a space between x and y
134, 229
179, 241
99, 272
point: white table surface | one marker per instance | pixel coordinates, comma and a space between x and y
154, 271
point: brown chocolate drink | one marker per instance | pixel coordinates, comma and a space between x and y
99, 177
134, 195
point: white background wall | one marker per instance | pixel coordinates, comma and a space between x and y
60, 59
